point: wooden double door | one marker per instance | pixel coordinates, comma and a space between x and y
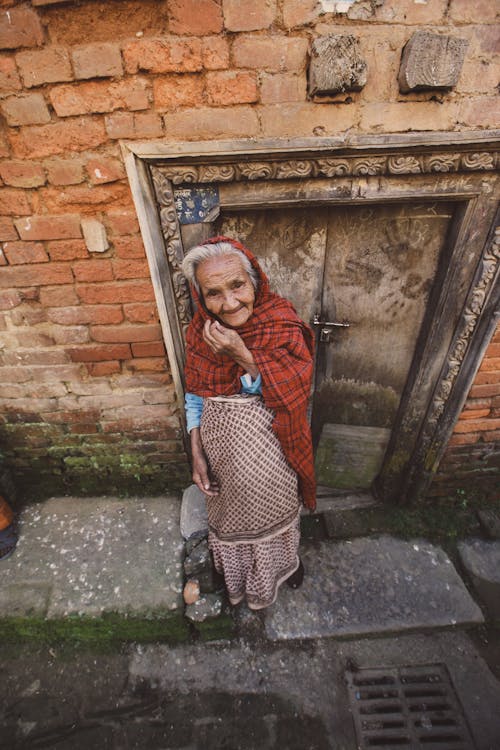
361, 276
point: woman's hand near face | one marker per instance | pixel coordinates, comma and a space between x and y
201, 474
222, 340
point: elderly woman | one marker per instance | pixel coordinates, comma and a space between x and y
248, 376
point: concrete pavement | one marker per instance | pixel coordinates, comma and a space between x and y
373, 611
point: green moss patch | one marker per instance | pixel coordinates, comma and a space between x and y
110, 629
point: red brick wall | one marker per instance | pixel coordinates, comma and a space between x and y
471, 464
86, 393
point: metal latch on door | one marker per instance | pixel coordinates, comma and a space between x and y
327, 326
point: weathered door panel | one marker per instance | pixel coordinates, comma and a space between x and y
373, 267
380, 265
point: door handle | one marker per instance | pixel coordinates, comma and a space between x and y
330, 323
326, 327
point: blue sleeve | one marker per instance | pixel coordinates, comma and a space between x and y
194, 407
251, 386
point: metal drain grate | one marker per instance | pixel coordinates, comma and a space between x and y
412, 708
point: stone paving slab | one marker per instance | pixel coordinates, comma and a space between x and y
371, 585
91, 556
481, 560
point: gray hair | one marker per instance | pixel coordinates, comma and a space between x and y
199, 253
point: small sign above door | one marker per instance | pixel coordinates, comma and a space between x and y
197, 205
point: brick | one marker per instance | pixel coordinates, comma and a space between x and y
99, 369
412, 13
85, 314
155, 349
197, 17
104, 169
25, 252
486, 377
84, 197
466, 439
100, 96
98, 60
14, 202
94, 353
93, 270
65, 226
25, 109
28, 316
270, 53
463, 11
20, 27
9, 299
282, 87
141, 312
125, 333
178, 91
85, 428
300, 12
132, 125
109, 293
192, 124
3, 258
67, 249
7, 230
478, 77
49, 65
398, 117
231, 87
487, 38
477, 425
58, 296
490, 363
15, 374
64, 171
148, 364
474, 413
240, 15
9, 77
37, 141
129, 247
70, 335
289, 119
215, 53
479, 111
121, 222
131, 269
4, 146
164, 55
37, 357
142, 414
52, 273
22, 173
493, 350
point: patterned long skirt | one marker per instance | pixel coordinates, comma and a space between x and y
254, 529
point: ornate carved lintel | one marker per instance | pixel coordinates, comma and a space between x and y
350, 165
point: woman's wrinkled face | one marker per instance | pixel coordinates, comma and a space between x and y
227, 289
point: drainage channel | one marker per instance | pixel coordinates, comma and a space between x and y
412, 708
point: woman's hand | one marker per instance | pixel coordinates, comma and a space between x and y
201, 474
222, 340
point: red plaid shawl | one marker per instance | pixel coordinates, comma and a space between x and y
282, 347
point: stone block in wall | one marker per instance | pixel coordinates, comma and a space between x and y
94, 234
336, 65
431, 61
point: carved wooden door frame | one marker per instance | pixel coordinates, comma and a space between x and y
463, 305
